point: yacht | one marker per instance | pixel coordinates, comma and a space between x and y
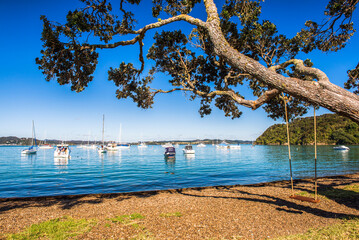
123, 146
170, 152
142, 145
112, 147
33, 148
342, 147
102, 148
46, 146
62, 151
222, 145
201, 145
188, 149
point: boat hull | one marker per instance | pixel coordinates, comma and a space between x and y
28, 152
188, 151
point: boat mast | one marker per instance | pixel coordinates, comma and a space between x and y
33, 134
103, 129
119, 136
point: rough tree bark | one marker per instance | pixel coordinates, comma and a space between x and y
320, 92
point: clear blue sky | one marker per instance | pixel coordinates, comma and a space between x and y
60, 113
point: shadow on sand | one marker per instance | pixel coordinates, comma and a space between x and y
332, 188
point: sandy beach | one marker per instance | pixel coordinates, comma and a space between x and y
257, 211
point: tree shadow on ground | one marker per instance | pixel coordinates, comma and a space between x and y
329, 190
328, 187
342, 190
67, 201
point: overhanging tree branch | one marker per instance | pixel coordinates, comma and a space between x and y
232, 56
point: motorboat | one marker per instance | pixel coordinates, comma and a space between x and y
170, 152
112, 147
222, 145
123, 146
142, 145
201, 145
342, 147
188, 149
46, 146
62, 151
33, 148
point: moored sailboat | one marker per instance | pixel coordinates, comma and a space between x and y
102, 148
33, 148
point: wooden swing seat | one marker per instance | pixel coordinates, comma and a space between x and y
304, 199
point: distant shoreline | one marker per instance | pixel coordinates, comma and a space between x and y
15, 141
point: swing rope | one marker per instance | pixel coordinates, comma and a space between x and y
315, 157
302, 198
289, 155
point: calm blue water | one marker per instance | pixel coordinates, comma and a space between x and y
139, 170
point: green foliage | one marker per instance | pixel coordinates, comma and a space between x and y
331, 129
173, 8
347, 193
190, 60
57, 229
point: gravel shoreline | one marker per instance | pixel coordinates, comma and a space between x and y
256, 211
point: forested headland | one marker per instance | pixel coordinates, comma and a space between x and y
331, 129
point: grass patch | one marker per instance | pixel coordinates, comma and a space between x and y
57, 229
353, 187
126, 218
175, 214
347, 229
347, 192
129, 220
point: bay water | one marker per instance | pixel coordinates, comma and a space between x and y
131, 170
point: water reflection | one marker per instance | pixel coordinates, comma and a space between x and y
189, 156
344, 155
28, 159
61, 164
170, 161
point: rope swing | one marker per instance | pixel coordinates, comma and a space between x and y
293, 196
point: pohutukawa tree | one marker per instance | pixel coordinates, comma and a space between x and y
226, 50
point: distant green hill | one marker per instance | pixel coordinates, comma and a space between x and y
331, 129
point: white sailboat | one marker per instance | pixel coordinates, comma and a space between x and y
102, 148
201, 145
222, 145
45, 145
142, 145
33, 148
121, 145
342, 147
